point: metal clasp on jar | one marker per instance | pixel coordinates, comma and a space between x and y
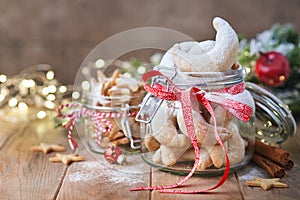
134, 143
151, 104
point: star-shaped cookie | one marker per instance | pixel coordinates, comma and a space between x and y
66, 158
266, 184
47, 148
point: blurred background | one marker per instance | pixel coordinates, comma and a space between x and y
62, 32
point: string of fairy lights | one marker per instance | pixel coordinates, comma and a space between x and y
33, 91
36, 93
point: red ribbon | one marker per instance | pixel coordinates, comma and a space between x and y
98, 118
238, 109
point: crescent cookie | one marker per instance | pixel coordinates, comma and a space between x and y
206, 56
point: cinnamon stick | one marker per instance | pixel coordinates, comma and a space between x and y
289, 165
271, 167
276, 154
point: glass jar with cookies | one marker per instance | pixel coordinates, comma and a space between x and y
224, 128
115, 102
199, 116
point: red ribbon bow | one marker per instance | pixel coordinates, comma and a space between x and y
238, 109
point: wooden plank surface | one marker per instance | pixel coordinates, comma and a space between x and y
292, 177
293, 145
29, 175
8, 129
95, 178
229, 190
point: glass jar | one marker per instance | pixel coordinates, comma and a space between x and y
116, 118
107, 126
274, 121
165, 141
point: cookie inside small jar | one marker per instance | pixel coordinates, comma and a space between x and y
116, 98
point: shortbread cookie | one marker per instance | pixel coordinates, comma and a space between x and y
151, 143
47, 148
266, 184
66, 158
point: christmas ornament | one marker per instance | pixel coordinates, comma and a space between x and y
113, 154
282, 38
272, 68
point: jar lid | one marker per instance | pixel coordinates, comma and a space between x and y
204, 80
274, 121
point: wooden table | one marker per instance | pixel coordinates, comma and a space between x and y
29, 175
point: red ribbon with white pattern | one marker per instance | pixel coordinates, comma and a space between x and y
99, 118
238, 109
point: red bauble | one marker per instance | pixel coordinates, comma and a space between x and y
272, 68
113, 154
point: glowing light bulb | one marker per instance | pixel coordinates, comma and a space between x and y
4, 91
248, 70
282, 78
52, 88
13, 102
3, 78
141, 70
50, 75
22, 106
28, 83
85, 71
41, 114
268, 124
260, 132
75, 95
49, 104
85, 85
45, 91
51, 97
99, 63
62, 89
246, 53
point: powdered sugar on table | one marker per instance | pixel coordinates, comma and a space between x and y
94, 170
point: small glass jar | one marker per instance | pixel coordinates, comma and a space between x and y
165, 142
124, 131
116, 116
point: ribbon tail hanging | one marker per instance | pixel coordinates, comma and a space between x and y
185, 97
186, 108
189, 123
